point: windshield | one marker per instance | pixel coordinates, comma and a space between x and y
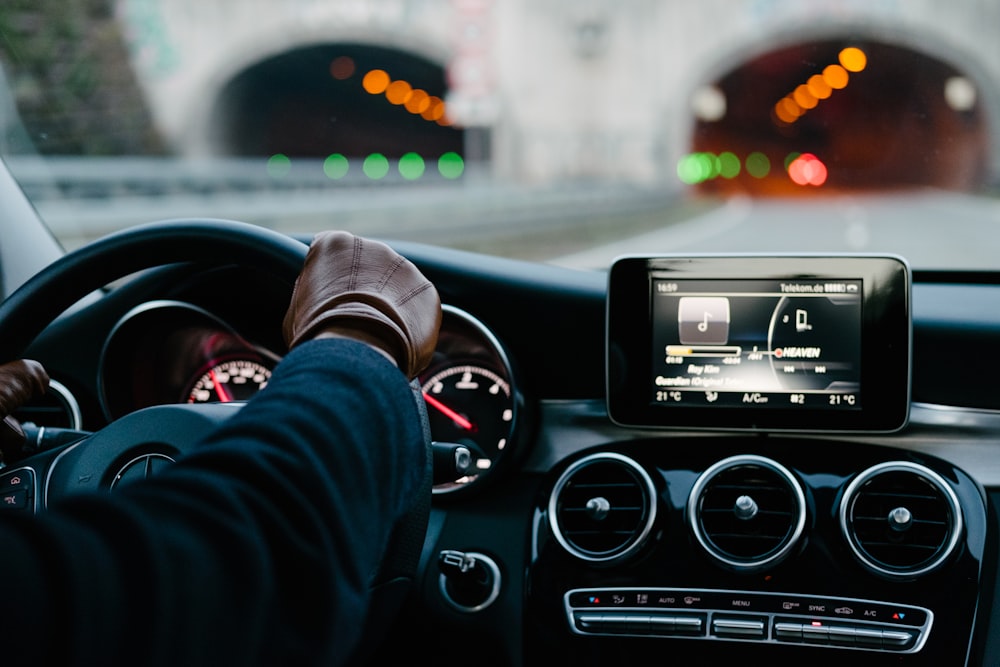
567, 132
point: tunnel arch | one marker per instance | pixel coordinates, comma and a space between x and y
311, 101
965, 140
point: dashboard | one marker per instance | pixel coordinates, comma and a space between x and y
578, 537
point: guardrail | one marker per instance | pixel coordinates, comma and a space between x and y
103, 177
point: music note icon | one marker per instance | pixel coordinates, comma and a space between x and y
703, 320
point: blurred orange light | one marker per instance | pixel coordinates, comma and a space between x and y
435, 109
804, 98
835, 76
419, 102
398, 92
342, 68
782, 113
792, 107
853, 59
819, 87
375, 81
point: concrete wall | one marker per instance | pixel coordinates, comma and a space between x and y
577, 89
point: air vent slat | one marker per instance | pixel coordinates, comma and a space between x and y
602, 508
747, 511
900, 519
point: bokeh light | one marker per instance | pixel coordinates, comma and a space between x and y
758, 165
451, 165
804, 98
729, 165
434, 110
376, 166
342, 68
419, 102
411, 166
819, 88
853, 59
335, 166
376, 81
398, 92
807, 169
836, 77
278, 165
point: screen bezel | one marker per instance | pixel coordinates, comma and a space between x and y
886, 334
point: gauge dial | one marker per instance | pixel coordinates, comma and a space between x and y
227, 381
473, 406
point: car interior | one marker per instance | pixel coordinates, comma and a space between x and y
760, 457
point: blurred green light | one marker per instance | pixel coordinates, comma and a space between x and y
278, 165
376, 166
335, 166
729, 165
689, 169
710, 165
758, 165
451, 165
411, 166
790, 158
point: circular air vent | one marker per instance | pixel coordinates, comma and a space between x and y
747, 511
603, 507
900, 519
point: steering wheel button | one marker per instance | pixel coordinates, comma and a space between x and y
18, 479
14, 500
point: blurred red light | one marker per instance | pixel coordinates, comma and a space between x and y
807, 169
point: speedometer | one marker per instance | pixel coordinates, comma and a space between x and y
227, 381
472, 406
471, 397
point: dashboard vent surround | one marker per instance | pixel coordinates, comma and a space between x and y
602, 508
748, 512
900, 519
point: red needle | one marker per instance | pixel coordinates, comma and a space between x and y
219, 389
449, 413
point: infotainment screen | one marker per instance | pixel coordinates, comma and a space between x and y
759, 343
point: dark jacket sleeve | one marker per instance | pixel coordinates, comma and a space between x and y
255, 549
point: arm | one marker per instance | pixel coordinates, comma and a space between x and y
257, 549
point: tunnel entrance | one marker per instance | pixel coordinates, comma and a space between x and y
348, 99
843, 115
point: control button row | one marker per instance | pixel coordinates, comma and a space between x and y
844, 635
640, 624
17, 490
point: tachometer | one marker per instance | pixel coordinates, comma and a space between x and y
227, 381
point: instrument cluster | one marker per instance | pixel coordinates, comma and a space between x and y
172, 351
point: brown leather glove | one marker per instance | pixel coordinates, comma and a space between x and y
362, 289
20, 381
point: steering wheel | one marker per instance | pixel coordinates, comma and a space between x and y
93, 462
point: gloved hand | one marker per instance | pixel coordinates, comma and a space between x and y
20, 381
362, 289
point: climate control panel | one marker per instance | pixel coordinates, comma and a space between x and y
749, 617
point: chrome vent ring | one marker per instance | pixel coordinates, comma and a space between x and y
748, 512
900, 519
602, 508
